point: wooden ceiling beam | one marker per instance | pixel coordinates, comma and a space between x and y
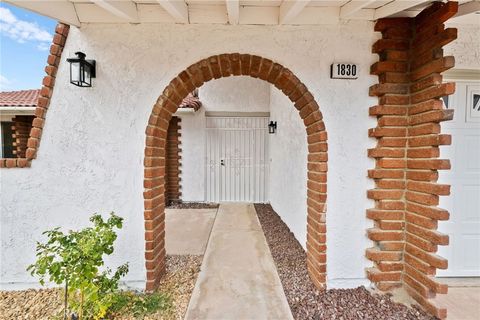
64, 10
126, 10
178, 9
395, 7
290, 9
467, 8
233, 11
352, 7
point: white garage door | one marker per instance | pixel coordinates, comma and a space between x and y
237, 159
463, 204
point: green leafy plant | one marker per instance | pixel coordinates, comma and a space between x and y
74, 259
139, 305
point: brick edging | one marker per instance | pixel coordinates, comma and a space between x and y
53, 60
406, 191
193, 77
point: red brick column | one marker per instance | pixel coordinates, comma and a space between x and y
21, 128
389, 173
409, 135
56, 49
173, 164
196, 75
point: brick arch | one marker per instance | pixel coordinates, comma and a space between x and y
194, 76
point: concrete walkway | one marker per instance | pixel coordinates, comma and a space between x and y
187, 230
463, 298
238, 279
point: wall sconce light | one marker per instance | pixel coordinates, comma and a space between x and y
272, 127
81, 71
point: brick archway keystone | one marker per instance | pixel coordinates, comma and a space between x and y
195, 76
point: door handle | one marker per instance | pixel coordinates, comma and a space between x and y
222, 162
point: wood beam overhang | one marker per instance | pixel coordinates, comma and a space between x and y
352, 7
233, 11
290, 9
176, 8
467, 8
126, 10
395, 7
64, 10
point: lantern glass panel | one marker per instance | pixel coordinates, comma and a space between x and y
82, 73
87, 75
75, 72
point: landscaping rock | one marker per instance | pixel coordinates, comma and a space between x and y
30, 304
192, 205
306, 302
182, 272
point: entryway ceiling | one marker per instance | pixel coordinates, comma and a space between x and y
253, 12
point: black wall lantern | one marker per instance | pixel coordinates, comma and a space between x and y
272, 127
81, 71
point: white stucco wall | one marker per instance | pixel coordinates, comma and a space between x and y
91, 155
288, 165
466, 49
193, 156
236, 94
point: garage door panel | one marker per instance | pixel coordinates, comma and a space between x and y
472, 158
463, 204
471, 252
471, 195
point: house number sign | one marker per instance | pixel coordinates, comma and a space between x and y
343, 71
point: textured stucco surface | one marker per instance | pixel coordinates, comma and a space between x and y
236, 94
466, 49
91, 154
288, 165
193, 156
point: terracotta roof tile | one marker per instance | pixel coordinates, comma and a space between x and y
29, 98
22, 98
191, 101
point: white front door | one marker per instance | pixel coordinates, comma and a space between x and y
463, 228
237, 161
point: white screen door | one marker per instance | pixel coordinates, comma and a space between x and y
237, 161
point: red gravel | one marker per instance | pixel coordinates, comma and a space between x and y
305, 301
192, 205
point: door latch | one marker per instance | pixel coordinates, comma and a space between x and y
222, 162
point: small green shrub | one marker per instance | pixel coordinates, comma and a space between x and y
139, 305
74, 259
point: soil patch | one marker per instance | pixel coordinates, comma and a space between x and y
306, 302
182, 272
